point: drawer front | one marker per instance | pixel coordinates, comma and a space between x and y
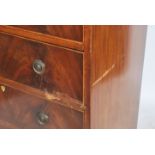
47, 68
72, 32
19, 110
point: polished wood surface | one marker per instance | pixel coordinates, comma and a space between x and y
117, 61
43, 38
72, 32
63, 68
19, 110
87, 74
92, 75
58, 97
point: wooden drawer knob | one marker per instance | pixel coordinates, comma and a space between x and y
38, 66
42, 118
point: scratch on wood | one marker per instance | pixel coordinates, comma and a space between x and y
3, 88
51, 96
104, 75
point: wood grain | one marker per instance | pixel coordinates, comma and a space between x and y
40, 37
87, 74
57, 97
63, 71
19, 110
72, 32
117, 61
92, 75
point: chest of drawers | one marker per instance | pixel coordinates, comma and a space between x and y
64, 76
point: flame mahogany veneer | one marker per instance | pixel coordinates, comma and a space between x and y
60, 76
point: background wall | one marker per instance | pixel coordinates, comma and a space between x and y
147, 102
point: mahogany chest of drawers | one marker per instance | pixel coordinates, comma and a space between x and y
64, 76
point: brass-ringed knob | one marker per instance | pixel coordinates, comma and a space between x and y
42, 118
38, 66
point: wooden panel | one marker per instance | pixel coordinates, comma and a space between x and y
86, 74
19, 110
63, 68
117, 61
73, 32
41, 37
58, 97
